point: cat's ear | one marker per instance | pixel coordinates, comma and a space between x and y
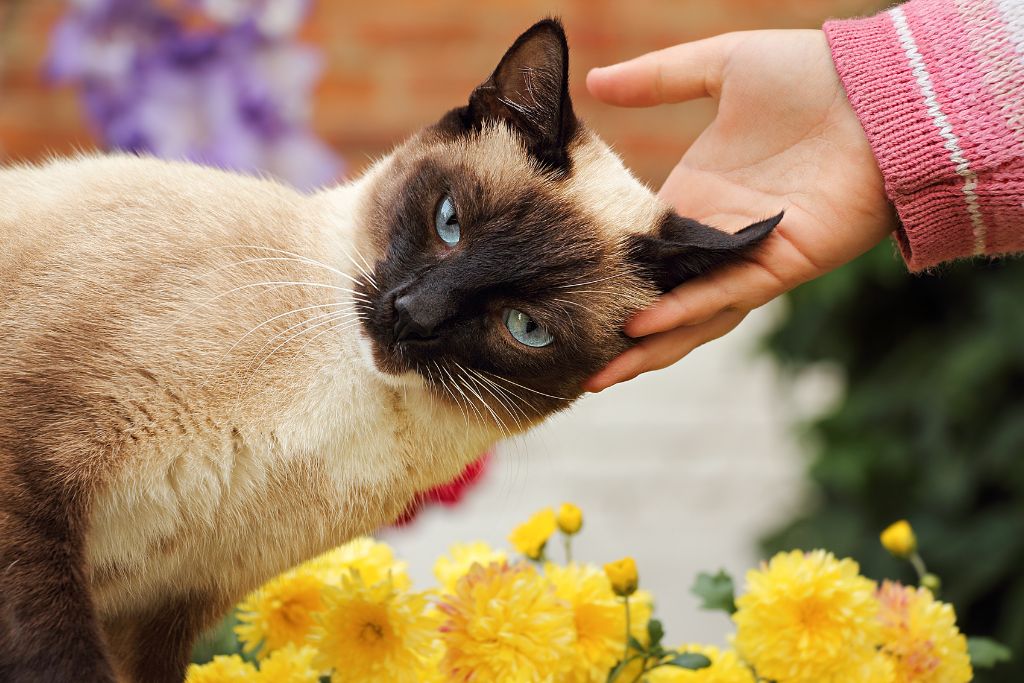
682, 248
530, 91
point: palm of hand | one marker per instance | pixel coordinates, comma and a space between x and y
785, 138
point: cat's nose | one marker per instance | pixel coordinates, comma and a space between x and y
411, 321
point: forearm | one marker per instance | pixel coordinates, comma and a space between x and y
938, 86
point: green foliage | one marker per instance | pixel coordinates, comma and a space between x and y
688, 660
654, 656
655, 632
930, 428
986, 653
220, 640
716, 591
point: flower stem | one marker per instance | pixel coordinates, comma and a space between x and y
919, 567
629, 632
567, 541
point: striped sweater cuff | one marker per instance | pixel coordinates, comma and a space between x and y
908, 75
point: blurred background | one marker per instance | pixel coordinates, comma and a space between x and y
863, 398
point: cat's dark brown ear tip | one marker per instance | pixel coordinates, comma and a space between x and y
682, 248
529, 90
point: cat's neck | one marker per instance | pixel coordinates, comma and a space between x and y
375, 427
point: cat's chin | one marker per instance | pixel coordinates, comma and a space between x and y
395, 377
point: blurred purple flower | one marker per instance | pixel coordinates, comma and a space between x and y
235, 93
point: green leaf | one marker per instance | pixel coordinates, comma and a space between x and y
688, 660
655, 632
986, 653
613, 675
716, 591
636, 644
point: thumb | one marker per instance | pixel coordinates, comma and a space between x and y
684, 72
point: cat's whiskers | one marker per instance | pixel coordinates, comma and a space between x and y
344, 316
573, 285
498, 422
449, 392
636, 301
578, 305
306, 321
338, 328
299, 257
282, 315
272, 259
366, 271
271, 285
327, 319
365, 263
251, 331
323, 317
501, 423
502, 396
539, 393
458, 388
527, 406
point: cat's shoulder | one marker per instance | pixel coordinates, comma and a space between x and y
136, 175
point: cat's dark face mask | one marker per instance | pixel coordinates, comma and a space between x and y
513, 245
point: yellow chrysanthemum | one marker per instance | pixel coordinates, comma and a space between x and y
290, 664
450, 568
372, 633
530, 537
374, 561
599, 616
223, 669
878, 669
430, 670
641, 609
279, 612
920, 635
506, 623
807, 618
726, 667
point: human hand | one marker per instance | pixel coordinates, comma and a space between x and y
785, 138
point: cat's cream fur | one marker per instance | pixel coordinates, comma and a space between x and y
134, 282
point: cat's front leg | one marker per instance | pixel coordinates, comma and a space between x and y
155, 646
48, 626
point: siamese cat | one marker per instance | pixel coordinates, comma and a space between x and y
206, 378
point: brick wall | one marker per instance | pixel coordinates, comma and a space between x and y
392, 66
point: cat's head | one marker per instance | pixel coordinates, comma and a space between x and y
511, 245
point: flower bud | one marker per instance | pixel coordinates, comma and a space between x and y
932, 583
899, 539
530, 537
623, 576
570, 519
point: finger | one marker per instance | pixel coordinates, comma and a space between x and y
675, 74
741, 286
661, 350
775, 267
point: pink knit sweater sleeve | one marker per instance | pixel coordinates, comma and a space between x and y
938, 86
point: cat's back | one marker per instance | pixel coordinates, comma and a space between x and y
91, 207
86, 232
102, 258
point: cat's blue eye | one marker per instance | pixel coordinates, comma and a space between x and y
526, 330
447, 223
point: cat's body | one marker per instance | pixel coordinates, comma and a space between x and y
206, 378
199, 473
